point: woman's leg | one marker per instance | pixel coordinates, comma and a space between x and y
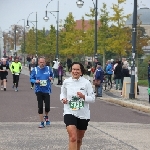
17, 80
80, 135
120, 84
4, 83
117, 84
110, 80
137, 89
72, 132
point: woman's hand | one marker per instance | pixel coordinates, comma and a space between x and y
81, 95
64, 101
37, 81
50, 78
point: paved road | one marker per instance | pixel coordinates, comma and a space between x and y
112, 127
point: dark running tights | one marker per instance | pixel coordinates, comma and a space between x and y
110, 79
32, 84
15, 80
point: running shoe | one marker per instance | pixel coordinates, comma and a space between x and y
41, 125
47, 120
31, 87
1, 88
16, 90
47, 123
13, 86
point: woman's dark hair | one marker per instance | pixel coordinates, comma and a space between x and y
119, 62
47, 63
81, 67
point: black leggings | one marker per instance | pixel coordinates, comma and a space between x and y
43, 97
32, 84
110, 79
60, 79
15, 80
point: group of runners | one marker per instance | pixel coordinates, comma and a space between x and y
15, 67
76, 94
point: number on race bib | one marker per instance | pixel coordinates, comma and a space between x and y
4, 68
75, 105
43, 82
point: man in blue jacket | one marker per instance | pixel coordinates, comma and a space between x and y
109, 71
99, 75
42, 76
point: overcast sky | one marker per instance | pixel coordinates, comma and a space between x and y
11, 11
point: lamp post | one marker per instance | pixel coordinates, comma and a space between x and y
134, 32
46, 18
24, 31
27, 26
15, 41
80, 3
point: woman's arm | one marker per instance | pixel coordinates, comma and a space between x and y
63, 94
90, 97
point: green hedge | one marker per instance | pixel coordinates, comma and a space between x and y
143, 82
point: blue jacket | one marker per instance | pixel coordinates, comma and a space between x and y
99, 74
109, 69
41, 74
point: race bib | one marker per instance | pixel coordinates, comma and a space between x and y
4, 68
43, 82
16, 73
76, 103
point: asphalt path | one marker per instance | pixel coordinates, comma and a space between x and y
21, 106
112, 127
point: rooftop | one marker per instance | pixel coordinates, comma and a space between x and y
87, 25
143, 17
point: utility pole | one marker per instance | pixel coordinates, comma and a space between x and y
134, 32
15, 42
95, 43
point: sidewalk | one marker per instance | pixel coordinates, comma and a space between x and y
22, 133
141, 103
99, 136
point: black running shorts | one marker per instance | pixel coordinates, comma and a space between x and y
3, 76
81, 124
43, 97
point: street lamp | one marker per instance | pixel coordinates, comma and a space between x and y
23, 37
80, 3
134, 32
46, 18
27, 27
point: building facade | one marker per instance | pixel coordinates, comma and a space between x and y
1, 43
143, 19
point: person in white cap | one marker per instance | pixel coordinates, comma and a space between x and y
55, 67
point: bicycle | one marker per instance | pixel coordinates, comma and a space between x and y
106, 84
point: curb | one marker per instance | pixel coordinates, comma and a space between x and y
138, 107
123, 103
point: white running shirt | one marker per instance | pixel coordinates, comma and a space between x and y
70, 88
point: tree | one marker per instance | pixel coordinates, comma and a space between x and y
89, 39
103, 33
119, 37
68, 36
47, 43
30, 42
